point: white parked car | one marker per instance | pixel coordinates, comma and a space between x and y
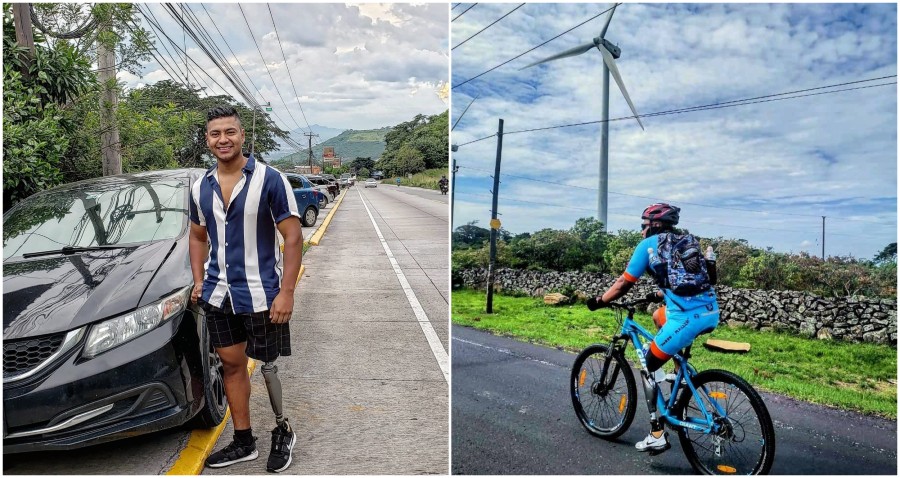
371, 183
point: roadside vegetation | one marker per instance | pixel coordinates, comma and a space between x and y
427, 179
852, 376
586, 247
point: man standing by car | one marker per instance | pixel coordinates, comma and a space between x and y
241, 279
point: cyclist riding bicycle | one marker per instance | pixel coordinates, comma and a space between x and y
691, 308
443, 180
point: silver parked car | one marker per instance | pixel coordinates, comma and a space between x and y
371, 183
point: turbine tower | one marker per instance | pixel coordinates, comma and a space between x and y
610, 53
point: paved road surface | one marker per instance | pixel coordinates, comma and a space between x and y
512, 415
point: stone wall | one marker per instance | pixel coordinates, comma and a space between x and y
852, 319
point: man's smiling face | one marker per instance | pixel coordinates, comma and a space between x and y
224, 136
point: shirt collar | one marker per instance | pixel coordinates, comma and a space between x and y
248, 168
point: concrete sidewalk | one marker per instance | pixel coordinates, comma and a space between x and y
363, 389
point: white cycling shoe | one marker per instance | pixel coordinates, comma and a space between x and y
654, 445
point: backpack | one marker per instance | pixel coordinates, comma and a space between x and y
679, 265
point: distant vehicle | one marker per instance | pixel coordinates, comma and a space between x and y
307, 199
333, 188
100, 339
371, 183
348, 177
378, 175
325, 197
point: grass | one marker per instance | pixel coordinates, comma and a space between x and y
852, 376
427, 179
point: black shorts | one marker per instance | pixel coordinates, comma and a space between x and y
265, 341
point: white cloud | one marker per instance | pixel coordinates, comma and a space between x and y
832, 155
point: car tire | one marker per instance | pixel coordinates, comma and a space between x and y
323, 201
215, 404
309, 216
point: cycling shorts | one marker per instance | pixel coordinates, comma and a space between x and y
680, 328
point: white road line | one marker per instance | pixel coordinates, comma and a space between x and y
507, 352
437, 348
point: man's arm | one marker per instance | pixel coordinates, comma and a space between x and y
283, 305
199, 252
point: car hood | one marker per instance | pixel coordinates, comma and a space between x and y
53, 294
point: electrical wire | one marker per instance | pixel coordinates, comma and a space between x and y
464, 12
729, 104
489, 26
296, 95
534, 48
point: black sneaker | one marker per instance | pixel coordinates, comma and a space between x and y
283, 439
235, 452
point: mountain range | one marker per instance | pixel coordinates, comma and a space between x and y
349, 145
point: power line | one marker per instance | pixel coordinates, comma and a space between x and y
532, 49
454, 6
296, 95
267, 67
489, 26
464, 12
729, 104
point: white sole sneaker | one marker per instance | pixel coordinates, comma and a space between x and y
249, 457
290, 455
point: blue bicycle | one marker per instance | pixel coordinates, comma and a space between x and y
722, 423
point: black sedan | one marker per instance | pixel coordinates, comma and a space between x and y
100, 340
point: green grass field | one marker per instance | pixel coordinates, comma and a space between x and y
852, 376
427, 179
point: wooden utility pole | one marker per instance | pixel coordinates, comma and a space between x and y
110, 147
24, 35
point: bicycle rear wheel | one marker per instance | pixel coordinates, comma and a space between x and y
745, 443
604, 402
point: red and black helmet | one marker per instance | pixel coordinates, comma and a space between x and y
661, 212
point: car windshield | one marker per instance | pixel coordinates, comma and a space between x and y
96, 213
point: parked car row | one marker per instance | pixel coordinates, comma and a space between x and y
100, 338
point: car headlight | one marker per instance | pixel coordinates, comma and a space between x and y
116, 331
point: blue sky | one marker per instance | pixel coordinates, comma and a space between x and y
769, 170
357, 66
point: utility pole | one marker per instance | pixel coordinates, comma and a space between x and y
253, 133
24, 35
452, 190
110, 147
823, 238
495, 223
310, 136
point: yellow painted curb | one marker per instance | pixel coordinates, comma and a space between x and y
200, 445
300, 274
314, 240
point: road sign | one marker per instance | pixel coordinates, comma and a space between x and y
495, 223
268, 109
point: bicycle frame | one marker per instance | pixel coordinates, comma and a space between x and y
633, 332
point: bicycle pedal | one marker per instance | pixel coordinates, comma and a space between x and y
657, 451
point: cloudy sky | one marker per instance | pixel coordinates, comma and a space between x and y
765, 172
354, 66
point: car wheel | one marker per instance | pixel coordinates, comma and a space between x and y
309, 216
215, 403
323, 201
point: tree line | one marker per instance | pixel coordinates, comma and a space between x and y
586, 247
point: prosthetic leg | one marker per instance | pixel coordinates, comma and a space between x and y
273, 386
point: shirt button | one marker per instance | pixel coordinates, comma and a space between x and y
226, 223
226, 265
226, 243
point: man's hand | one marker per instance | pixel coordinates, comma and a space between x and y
282, 307
595, 303
196, 292
654, 297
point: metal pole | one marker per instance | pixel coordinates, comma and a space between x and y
604, 152
823, 238
452, 191
496, 191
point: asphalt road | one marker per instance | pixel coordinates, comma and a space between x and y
512, 415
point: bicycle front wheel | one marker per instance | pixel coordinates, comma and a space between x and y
745, 441
604, 400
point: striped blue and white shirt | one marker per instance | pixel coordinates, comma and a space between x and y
245, 259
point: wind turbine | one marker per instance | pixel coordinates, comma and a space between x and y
610, 52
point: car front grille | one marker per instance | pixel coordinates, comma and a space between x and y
22, 356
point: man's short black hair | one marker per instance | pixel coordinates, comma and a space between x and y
222, 111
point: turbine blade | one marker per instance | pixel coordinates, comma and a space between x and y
608, 19
611, 63
570, 52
